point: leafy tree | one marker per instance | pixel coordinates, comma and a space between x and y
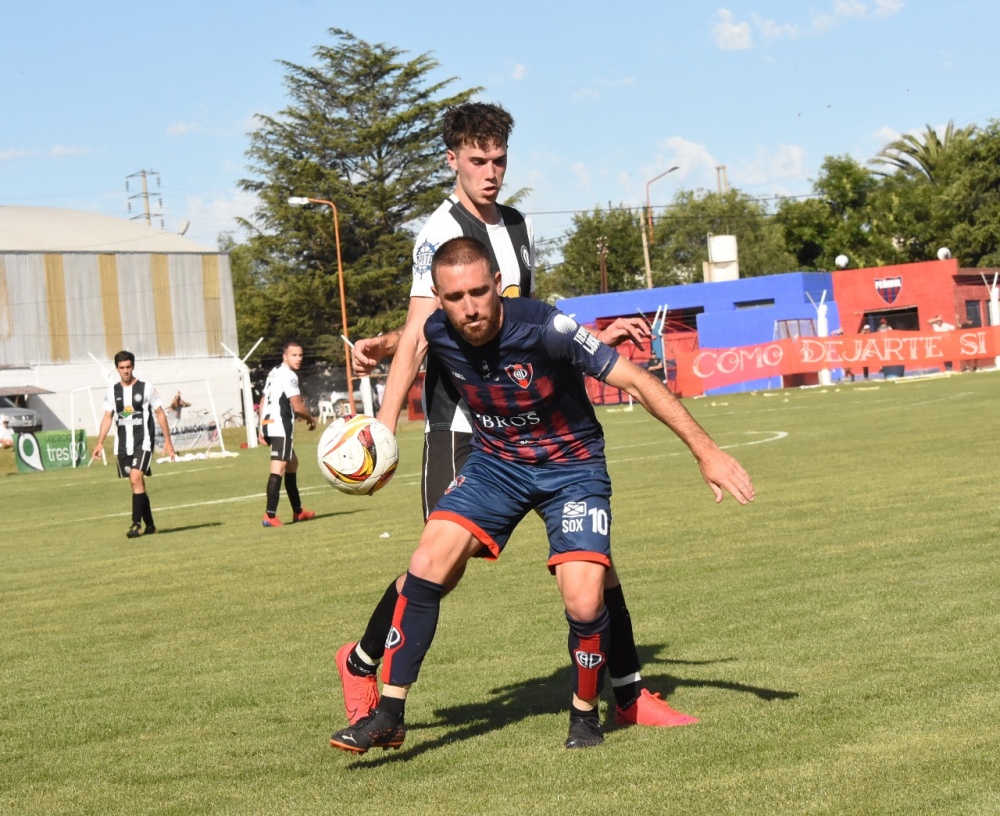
580, 271
362, 130
968, 211
921, 159
680, 244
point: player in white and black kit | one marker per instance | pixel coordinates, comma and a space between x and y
132, 405
475, 136
281, 403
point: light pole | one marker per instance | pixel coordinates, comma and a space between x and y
649, 220
602, 257
649, 209
299, 201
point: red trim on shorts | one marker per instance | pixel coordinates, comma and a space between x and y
481, 536
578, 555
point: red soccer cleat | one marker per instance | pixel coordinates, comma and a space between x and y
649, 709
271, 522
303, 515
360, 693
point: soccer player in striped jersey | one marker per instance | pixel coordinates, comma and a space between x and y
475, 136
131, 405
519, 365
281, 404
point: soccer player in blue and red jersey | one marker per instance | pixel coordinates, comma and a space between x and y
519, 364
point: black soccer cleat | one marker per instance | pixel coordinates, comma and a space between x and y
584, 732
150, 530
377, 730
135, 530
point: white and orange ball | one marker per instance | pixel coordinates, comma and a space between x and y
357, 455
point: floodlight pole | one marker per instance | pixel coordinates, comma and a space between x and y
298, 201
649, 223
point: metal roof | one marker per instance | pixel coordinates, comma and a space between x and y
50, 229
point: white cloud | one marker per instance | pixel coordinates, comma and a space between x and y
885, 8
771, 167
730, 36
7, 155
583, 180
210, 216
183, 128
776, 31
520, 71
62, 150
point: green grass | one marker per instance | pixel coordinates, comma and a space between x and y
837, 638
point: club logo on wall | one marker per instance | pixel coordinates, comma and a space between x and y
888, 288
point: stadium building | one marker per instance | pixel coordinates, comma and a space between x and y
77, 287
752, 311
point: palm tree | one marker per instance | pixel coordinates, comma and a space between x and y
916, 158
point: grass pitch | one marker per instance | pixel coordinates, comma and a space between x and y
837, 638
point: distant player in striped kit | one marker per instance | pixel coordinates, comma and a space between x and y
519, 366
131, 405
281, 404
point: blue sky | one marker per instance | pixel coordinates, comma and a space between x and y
606, 96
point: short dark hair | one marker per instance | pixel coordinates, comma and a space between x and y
122, 356
477, 124
460, 251
289, 344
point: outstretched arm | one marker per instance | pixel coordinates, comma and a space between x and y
410, 353
720, 470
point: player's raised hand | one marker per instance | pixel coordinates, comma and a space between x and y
635, 329
722, 472
366, 354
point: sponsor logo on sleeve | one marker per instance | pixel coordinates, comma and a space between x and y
587, 340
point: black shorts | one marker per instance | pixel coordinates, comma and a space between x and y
445, 453
281, 449
140, 460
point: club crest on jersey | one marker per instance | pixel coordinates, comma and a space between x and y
888, 288
588, 660
520, 374
455, 484
393, 639
422, 257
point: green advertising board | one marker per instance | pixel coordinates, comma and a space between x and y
49, 450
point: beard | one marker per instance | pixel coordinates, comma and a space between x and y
483, 330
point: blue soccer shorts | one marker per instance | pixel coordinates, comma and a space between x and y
491, 496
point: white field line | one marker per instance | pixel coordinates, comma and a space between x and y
772, 436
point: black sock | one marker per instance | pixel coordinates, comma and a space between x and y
358, 667
137, 507
580, 713
147, 510
623, 660
273, 494
292, 489
395, 706
379, 624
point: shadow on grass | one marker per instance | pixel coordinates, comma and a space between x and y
550, 695
169, 530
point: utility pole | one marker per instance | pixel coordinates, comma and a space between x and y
144, 195
602, 254
721, 179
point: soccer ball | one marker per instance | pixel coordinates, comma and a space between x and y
357, 455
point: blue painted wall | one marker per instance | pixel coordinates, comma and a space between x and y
724, 322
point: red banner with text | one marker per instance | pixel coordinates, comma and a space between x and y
703, 369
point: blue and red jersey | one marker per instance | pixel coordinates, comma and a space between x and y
525, 387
